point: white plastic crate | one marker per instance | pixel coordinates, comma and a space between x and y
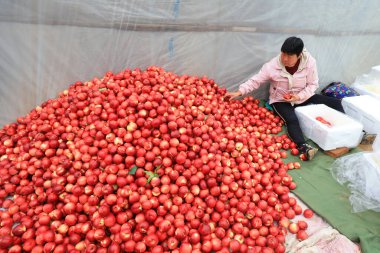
365, 109
344, 132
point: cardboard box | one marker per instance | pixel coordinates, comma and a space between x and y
343, 132
365, 109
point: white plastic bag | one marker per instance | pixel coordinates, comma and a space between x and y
372, 77
369, 84
361, 173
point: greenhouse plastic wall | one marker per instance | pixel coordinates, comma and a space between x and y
47, 45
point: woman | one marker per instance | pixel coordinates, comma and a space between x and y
293, 81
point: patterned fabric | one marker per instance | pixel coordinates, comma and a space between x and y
339, 90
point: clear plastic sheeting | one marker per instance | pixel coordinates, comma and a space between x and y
361, 173
47, 45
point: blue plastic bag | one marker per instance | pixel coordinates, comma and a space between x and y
339, 90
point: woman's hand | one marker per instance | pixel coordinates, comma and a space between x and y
291, 98
232, 95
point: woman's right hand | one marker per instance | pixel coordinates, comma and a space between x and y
232, 95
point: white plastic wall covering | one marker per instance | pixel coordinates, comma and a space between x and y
46, 45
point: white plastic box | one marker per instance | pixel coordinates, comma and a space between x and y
365, 109
344, 132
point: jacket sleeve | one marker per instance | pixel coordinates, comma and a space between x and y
311, 81
255, 81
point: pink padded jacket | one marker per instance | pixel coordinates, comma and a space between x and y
303, 83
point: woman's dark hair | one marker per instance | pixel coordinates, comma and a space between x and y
292, 45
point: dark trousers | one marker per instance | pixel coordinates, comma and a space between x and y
286, 112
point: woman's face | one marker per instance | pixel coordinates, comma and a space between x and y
289, 60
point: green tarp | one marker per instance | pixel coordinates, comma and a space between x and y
321, 192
